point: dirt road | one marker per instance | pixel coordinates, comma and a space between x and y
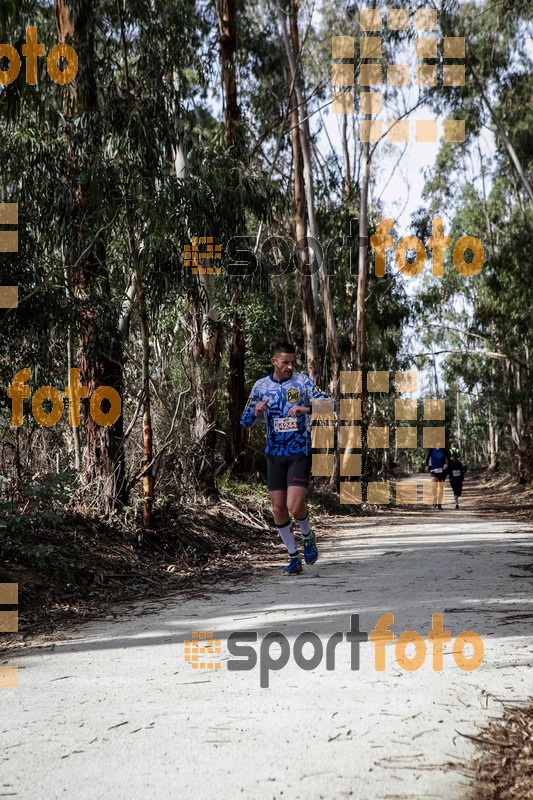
115, 711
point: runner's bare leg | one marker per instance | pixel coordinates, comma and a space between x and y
279, 506
296, 501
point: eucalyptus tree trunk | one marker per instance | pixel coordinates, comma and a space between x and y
360, 318
76, 438
346, 154
505, 139
227, 20
204, 350
292, 52
302, 253
147, 474
99, 345
292, 49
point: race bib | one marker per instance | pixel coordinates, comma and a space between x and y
284, 424
437, 469
456, 473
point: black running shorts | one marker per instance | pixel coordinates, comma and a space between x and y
440, 476
284, 471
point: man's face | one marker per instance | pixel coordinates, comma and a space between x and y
284, 364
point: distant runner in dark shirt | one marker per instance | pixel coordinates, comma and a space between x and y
456, 473
437, 463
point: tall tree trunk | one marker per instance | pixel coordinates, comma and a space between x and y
360, 318
458, 419
360, 315
227, 20
292, 49
148, 436
505, 139
204, 351
236, 394
76, 438
100, 348
346, 152
228, 38
292, 52
302, 254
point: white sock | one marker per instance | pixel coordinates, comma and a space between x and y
304, 524
288, 537
456, 500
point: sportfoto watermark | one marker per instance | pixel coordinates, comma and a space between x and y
238, 644
276, 255
32, 49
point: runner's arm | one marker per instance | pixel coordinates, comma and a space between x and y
315, 393
248, 415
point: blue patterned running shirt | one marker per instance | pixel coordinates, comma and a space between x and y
285, 436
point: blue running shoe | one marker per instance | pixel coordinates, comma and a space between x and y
310, 548
294, 567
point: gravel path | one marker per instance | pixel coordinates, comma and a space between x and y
114, 711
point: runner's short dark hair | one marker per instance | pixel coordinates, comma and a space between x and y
282, 347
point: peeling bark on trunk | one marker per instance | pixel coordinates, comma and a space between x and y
204, 351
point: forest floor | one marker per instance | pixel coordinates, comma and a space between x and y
114, 703
80, 567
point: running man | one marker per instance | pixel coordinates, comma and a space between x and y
437, 463
284, 398
457, 469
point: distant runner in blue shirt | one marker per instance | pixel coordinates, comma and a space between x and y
284, 398
437, 463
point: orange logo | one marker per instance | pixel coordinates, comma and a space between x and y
202, 645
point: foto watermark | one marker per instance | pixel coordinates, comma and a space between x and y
32, 50
75, 392
438, 242
247, 658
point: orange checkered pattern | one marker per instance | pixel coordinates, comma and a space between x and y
372, 74
378, 437
201, 645
193, 255
9, 623
9, 243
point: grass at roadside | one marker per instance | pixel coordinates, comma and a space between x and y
504, 768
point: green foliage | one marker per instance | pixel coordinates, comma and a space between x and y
39, 501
